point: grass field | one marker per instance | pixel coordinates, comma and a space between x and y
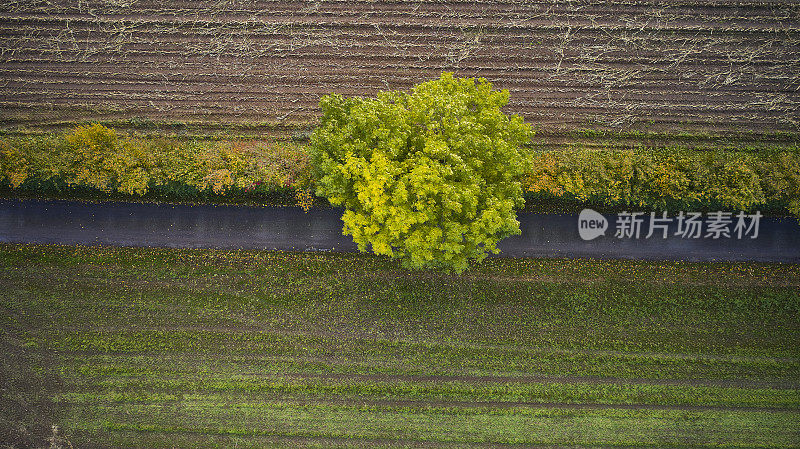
202, 348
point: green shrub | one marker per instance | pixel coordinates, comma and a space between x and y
15, 165
96, 157
779, 173
667, 179
728, 179
430, 177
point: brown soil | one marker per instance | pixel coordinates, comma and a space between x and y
665, 65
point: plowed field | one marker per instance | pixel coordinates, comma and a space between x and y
665, 65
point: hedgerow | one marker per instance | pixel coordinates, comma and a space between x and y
100, 159
96, 157
669, 178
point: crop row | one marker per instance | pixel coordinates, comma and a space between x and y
37, 71
534, 42
251, 424
359, 80
462, 14
765, 104
431, 391
49, 114
211, 93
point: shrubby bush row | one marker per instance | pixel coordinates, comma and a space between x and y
96, 157
669, 179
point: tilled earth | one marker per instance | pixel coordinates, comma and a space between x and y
669, 65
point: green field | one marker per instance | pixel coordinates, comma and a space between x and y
202, 348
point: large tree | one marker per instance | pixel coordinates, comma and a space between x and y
429, 176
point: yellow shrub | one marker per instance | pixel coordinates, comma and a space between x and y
729, 179
543, 177
657, 179
94, 159
218, 180
780, 178
304, 198
14, 165
666, 178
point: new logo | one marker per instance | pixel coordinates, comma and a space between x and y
591, 224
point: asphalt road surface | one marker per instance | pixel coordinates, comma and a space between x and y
289, 228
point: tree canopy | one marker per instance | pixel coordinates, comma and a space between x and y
430, 176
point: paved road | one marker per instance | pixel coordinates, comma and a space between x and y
288, 228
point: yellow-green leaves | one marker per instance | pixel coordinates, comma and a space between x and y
666, 178
429, 176
98, 157
14, 164
95, 157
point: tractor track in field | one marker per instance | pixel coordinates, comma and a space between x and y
347, 442
744, 383
728, 383
334, 340
449, 404
444, 404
